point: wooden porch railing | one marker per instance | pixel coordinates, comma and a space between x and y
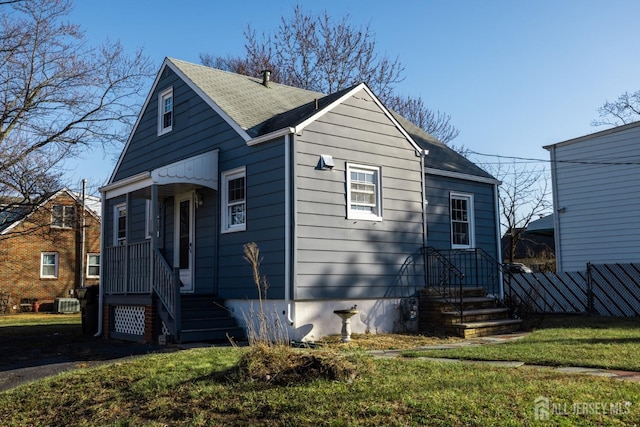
136, 268
127, 269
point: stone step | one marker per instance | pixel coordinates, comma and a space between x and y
486, 328
478, 315
467, 292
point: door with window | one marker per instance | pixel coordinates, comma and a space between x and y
184, 240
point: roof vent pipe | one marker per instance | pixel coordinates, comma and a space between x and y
266, 76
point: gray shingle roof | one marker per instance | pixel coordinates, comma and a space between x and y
440, 156
259, 110
245, 99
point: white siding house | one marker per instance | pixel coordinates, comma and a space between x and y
596, 195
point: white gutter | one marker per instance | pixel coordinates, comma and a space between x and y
270, 136
496, 199
287, 226
458, 175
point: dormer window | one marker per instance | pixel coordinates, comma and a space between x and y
165, 111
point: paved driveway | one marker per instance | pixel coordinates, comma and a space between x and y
29, 353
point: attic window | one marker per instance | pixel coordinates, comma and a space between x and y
165, 111
63, 216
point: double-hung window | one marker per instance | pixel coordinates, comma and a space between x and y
63, 216
462, 230
93, 266
364, 193
49, 265
234, 200
120, 224
165, 111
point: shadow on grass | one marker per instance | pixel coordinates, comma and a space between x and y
40, 345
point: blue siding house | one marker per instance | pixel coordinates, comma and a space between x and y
340, 194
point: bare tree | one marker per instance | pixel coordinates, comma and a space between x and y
523, 196
320, 54
58, 95
434, 122
625, 109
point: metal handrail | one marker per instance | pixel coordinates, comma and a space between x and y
442, 275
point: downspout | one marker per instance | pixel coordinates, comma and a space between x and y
425, 202
289, 226
556, 207
496, 200
103, 222
425, 206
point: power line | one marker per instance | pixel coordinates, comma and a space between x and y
579, 162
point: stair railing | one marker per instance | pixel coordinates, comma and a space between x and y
444, 278
166, 285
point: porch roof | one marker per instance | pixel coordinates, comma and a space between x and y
200, 170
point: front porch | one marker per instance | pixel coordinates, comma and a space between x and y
143, 301
152, 229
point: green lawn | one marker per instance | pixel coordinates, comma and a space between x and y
598, 342
39, 319
199, 387
191, 388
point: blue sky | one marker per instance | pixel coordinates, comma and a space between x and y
513, 75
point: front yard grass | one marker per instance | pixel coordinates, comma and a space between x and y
193, 387
199, 387
589, 341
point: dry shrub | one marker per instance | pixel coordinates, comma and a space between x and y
281, 365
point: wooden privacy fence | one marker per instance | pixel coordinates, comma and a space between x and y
605, 289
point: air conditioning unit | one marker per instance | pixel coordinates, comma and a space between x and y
66, 305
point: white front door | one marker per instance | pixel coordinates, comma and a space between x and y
184, 240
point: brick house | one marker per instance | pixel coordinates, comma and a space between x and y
42, 254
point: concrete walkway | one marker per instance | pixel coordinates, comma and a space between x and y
498, 339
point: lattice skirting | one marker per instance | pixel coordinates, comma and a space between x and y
129, 319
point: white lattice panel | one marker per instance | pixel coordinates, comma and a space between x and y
128, 319
165, 330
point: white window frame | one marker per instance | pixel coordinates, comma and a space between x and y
89, 265
68, 219
162, 96
226, 178
376, 213
470, 220
116, 217
43, 265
